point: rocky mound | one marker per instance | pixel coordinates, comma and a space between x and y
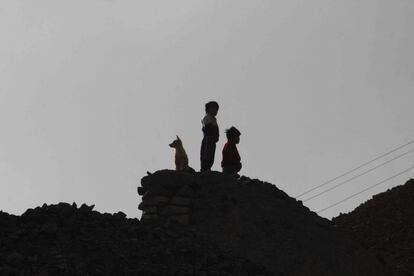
385, 225
168, 196
257, 221
233, 227
65, 240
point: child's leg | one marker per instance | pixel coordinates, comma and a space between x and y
211, 150
208, 149
202, 150
203, 153
230, 169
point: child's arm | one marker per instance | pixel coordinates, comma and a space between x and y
237, 159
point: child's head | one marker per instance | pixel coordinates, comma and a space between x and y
212, 108
233, 135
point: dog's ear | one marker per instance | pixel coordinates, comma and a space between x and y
178, 138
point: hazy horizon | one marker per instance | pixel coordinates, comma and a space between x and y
92, 92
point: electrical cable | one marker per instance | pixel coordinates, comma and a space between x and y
370, 187
359, 175
358, 167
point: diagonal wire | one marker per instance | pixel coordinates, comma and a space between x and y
360, 166
370, 187
359, 175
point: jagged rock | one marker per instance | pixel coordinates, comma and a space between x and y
261, 223
236, 228
167, 193
9, 271
156, 190
120, 215
86, 242
150, 210
141, 191
181, 201
258, 220
170, 180
149, 216
153, 202
186, 191
49, 228
182, 219
172, 210
14, 258
86, 208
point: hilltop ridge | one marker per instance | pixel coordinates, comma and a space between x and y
257, 221
234, 227
385, 225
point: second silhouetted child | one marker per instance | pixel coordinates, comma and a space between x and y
231, 157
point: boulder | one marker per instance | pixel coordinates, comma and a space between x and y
185, 191
150, 210
153, 202
172, 210
181, 201
182, 219
170, 180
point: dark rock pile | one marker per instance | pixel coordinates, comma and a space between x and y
257, 221
65, 240
385, 225
168, 196
265, 225
233, 227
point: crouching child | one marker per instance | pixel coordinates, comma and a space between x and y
231, 159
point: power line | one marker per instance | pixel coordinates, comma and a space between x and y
358, 167
351, 196
359, 175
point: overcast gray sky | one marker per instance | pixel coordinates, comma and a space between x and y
92, 92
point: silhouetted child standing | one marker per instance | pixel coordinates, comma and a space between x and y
231, 158
211, 136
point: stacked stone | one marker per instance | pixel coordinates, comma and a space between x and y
167, 195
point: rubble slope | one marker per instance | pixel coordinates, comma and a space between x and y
255, 220
385, 225
63, 239
224, 226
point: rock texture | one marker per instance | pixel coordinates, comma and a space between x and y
232, 227
385, 225
63, 239
257, 221
168, 196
